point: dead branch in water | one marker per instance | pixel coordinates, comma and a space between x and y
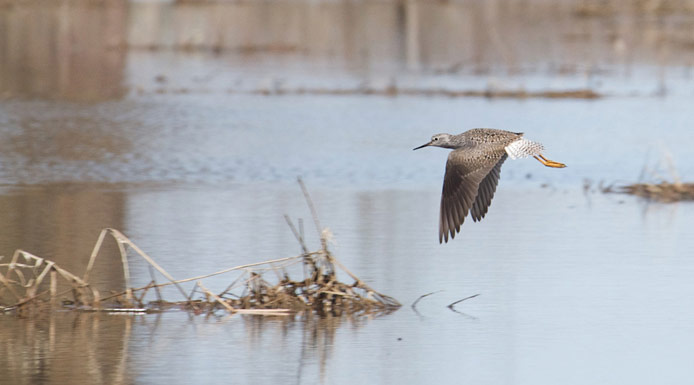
414, 304
452, 305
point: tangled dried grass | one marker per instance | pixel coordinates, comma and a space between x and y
29, 283
662, 192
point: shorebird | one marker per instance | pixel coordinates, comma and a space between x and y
472, 172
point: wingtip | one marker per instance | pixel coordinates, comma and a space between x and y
443, 237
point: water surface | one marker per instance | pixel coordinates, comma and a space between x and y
575, 286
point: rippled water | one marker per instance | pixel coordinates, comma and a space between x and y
575, 286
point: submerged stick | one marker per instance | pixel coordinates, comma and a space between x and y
414, 304
460, 300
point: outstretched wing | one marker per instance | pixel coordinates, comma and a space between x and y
465, 172
486, 191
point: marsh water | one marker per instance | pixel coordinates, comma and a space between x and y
189, 141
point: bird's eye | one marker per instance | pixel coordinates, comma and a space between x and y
435, 139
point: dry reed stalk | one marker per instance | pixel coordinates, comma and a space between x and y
122, 240
230, 269
36, 269
299, 237
126, 271
95, 252
8, 285
216, 298
54, 286
310, 204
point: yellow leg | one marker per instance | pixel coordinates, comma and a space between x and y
549, 163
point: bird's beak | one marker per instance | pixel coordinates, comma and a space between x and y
422, 146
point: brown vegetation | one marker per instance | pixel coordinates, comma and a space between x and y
663, 192
393, 90
30, 284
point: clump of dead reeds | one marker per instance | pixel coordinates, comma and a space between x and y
661, 191
29, 282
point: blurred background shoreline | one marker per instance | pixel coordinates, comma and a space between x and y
90, 50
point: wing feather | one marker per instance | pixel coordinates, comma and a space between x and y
468, 186
486, 191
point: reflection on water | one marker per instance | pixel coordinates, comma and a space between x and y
445, 35
62, 221
62, 50
313, 339
87, 51
87, 348
35, 351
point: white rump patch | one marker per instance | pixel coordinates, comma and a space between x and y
523, 148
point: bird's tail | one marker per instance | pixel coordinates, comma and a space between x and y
523, 148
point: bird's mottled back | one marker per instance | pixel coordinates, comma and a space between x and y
490, 136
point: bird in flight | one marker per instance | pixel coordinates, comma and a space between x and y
472, 172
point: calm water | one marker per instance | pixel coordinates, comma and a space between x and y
575, 286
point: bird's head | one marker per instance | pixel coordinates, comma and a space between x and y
438, 140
